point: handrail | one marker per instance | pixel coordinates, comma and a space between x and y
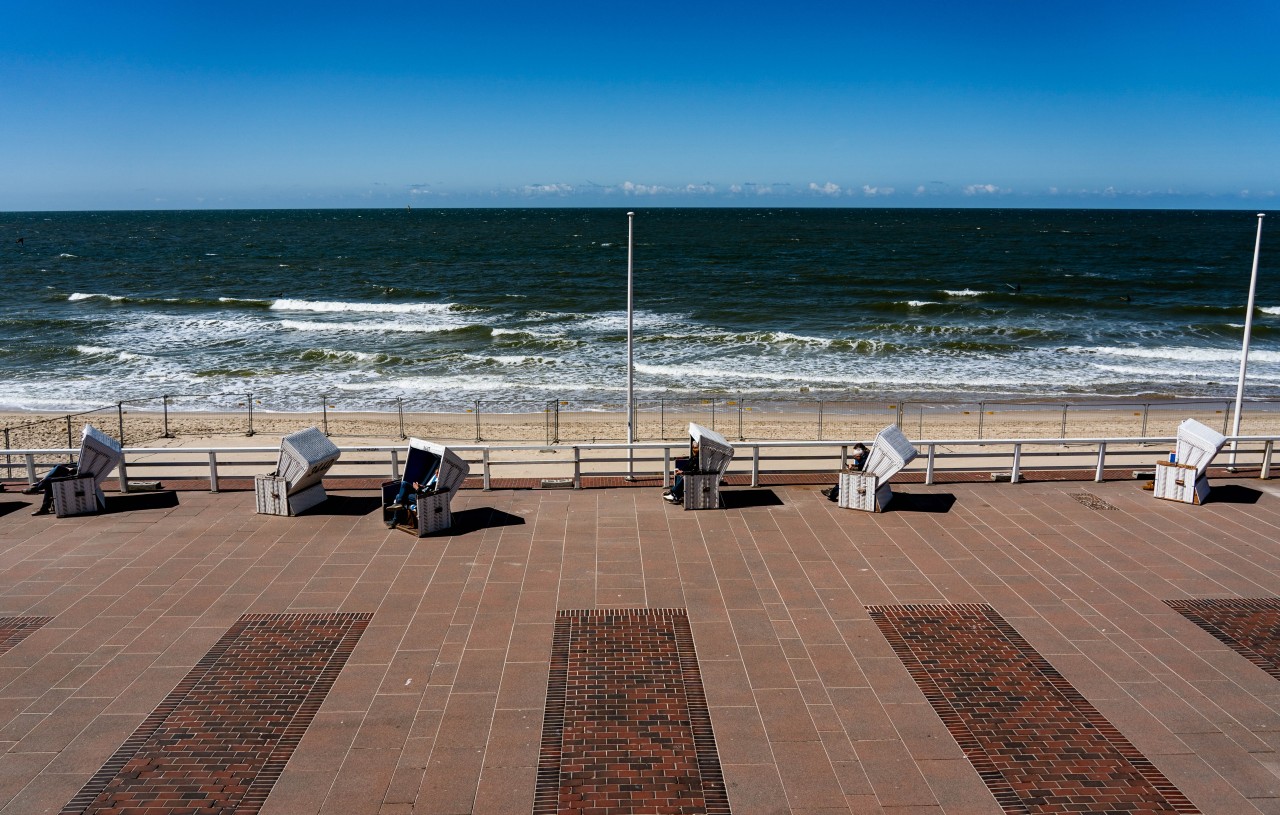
750, 454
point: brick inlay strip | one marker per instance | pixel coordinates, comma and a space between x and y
221, 738
1250, 627
626, 727
1036, 742
14, 630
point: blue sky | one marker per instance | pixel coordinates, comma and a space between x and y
136, 105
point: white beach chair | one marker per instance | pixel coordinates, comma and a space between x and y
702, 485
429, 511
296, 484
869, 489
1184, 478
81, 494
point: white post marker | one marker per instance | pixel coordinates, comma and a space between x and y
1244, 348
631, 411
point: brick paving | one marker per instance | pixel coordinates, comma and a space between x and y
1250, 627
439, 709
626, 728
220, 740
1035, 741
14, 630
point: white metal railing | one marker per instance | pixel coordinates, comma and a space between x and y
962, 455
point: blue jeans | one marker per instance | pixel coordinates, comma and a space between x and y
46, 484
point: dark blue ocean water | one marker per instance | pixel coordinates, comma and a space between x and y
443, 307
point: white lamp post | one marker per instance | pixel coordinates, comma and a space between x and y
1244, 348
631, 411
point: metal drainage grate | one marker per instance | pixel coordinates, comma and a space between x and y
1092, 501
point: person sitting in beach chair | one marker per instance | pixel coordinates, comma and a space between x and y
419, 502
683, 465
857, 460
429, 479
45, 485
76, 489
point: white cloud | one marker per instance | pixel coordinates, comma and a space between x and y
983, 189
829, 188
872, 192
560, 190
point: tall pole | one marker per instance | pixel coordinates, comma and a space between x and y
1244, 348
631, 409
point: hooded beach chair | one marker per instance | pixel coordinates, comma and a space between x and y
81, 494
869, 489
702, 485
1183, 479
296, 485
430, 510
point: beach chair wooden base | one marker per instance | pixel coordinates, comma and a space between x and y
76, 495
864, 491
1178, 482
434, 513
272, 498
702, 491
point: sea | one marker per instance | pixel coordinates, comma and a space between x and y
445, 308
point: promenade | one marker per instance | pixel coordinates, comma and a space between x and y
979, 648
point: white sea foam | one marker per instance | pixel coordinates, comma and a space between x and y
67, 255
367, 328
919, 303
100, 351
241, 300
86, 296
371, 308
963, 292
355, 356
1272, 310
1185, 354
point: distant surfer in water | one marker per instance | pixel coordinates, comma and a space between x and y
21, 241
1015, 286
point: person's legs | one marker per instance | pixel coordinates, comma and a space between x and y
45, 485
677, 490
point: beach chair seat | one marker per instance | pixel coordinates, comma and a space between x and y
297, 484
868, 489
702, 484
428, 511
81, 494
1184, 479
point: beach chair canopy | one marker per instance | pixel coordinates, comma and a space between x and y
1197, 445
99, 454
305, 457
889, 453
424, 457
714, 452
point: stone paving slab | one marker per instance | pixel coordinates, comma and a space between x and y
439, 707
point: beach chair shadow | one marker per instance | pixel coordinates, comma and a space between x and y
477, 518
136, 501
742, 499
939, 502
1232, 494
347, 506
12, 506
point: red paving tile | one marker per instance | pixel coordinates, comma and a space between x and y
14, 630
1036, 742
220, 740
626, 727
1250, 627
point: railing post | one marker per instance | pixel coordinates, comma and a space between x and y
395, 465
666, 467
164, 401
713, 413
213, 471
249, 402
1266, 460
844, 456
821, 405
324, 412
577, 468
120, 420
1102, 461
1016, 472
898, 420
1064, 420
8, 460
740, 436
1227, 409
123, 474
31, 469
1146, 408
662, 420
484, 461
400, 413
755, 465
69, 444
928, 470
478, 439
982, 416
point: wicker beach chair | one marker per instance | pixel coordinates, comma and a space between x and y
1183, 479
296, 484
81, 494
430, 511
702, 485
869, 489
